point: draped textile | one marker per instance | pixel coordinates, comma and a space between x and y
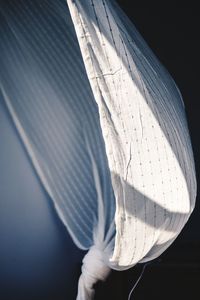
105, 127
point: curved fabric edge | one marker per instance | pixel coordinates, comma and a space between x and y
93, 38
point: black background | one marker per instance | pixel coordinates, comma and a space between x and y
171, 29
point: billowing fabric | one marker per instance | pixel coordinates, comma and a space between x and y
105, 127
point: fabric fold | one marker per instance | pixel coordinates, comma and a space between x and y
145, 132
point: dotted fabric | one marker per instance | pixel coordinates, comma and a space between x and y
144, 127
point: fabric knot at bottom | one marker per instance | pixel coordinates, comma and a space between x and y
94, 269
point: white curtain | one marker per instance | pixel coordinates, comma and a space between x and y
108, 139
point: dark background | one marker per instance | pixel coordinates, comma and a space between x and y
171, 29
36, 260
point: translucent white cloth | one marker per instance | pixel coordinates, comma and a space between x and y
140, 118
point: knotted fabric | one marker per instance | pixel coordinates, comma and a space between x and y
94, 268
